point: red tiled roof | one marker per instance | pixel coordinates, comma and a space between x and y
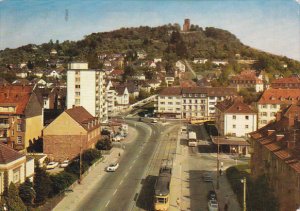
246, 75
171, 91
8, 154
296, 166
15, 95
234, 106
288, 80
80, 115
280, 96
117, 72
272, 147
221, 91
282, 154
187, 83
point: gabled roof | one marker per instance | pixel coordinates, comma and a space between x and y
280, 96
288, 80
221, 91
15, 95
117, 72
80, 115
7, 154
171, 91
234, 106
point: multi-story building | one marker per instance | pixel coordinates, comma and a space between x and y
191, 102
275, 151
235, 118
286, 83
194, 102
247, 79
86, 87
21, 116
72, 131
169, 103
117, 98
272, 100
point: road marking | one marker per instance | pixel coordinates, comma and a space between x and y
107, 203
130, 167
126, 174
121, 182
115, 191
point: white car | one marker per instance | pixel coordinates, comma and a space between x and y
52, 165
112, 167
213, 205
64, 164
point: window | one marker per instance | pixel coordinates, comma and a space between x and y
273, 106
77, 86
177, 103
247, 117
211, 98
19, 127
12, 132
162, 97
19, 139
264, 106
77, 102
233, 126
234, 117
77, 93
162, 103
202, 101
170, 97
246, 126
170, 103
190, 101
16, 175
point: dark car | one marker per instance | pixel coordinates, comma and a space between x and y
212, 195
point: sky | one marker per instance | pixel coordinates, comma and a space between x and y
269, 25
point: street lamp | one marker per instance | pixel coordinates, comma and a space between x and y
245, 185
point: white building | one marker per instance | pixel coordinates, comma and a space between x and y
199, 61
272, 100
86, 87
180, 66
117, 98
235, 118
169, 103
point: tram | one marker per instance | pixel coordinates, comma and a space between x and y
162, 186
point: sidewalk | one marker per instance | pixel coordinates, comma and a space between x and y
73, 199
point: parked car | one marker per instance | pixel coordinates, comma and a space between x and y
154, 121
112, 167
207, 177
52, 165
212, 195
213, 205
64, 164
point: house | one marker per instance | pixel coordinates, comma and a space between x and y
53, 52
20, 116
180, 66
169, 80
116, 74
235, 118
52, 98
169, 103
247, 79
70, 133
154, 84
22, 74
286, 83
39, 82
141, 54
232, 145
107, 64
139, 76
53, 74
152, 65
122, 98
14, 167
219, 62
275, 150
200, 60
156, 60
38, 74
272, 100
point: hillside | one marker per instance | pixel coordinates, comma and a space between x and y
163, 41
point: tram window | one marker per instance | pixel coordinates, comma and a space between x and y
161, 200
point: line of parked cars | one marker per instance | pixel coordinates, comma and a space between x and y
53, 165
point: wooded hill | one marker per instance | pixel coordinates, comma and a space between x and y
164, 41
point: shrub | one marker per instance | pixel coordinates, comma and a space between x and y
26, 192
89, 156
61, 181
104, 144
42, 185
74, 167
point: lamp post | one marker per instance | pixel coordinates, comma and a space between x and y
80, 160
244, 200
218, 163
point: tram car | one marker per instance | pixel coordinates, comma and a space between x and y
162, 186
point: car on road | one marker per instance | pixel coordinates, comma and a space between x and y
207, 177
213, 205
112, 167
52, 165
212, 195
64, 164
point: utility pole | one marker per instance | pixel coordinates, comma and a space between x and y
80, 160
218, 163
244, 201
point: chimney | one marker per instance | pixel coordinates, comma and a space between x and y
278, 116
270, 132
279, 137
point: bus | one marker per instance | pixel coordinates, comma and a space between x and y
162, 186
192, 139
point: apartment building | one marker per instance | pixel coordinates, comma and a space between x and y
191, 102
275, 151
21, 116
286, 83
72, 131
117, 98
86, 87
169, 103
272, 100
235, 118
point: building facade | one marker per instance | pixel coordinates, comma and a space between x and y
272, 100
247, 79
286, 83
275, 150
72, 131
86, 87
235, 118
21, 116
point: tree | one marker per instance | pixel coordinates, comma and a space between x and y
26, 192
42, 185
90, 156
128, 72
61, 181
104, 144
12, 199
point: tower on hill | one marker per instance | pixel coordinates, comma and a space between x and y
186, 25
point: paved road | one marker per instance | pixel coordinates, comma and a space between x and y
118, 190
